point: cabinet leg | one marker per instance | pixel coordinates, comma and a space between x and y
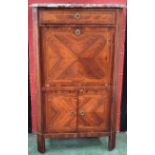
111, 143
41, 143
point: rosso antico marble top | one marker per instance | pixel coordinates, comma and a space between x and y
48, 5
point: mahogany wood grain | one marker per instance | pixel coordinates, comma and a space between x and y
76, 69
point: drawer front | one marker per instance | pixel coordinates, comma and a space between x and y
60, 112
77, 16
94, 111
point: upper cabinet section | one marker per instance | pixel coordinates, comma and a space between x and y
77, 45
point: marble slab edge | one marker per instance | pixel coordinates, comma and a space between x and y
48, 5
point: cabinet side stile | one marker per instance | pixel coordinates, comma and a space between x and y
37, 74
117, 47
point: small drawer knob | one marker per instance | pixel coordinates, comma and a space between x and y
82, 113
77, 32
77, 15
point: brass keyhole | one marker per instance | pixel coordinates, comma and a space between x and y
82, 113
82, 90
71, 113
77, 32
77, 15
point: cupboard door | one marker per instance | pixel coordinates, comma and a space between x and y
60, 112
94, 112
77, 54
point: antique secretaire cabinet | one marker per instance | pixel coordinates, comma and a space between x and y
76, 70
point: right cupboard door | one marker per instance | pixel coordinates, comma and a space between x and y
94, 111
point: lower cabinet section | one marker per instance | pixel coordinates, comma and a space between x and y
77, 112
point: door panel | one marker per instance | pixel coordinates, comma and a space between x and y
60, 112
93, 114
77, 54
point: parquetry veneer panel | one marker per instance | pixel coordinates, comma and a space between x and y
67, 56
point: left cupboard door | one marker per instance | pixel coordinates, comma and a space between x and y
60, 112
